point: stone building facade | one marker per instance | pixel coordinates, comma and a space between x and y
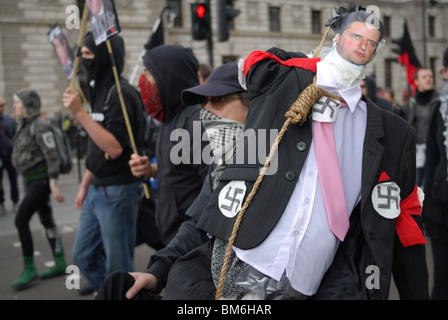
27, 58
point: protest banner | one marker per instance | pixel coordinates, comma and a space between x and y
104, 19
62, 49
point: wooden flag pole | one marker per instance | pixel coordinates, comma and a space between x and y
85, 15
123, 108
81, 93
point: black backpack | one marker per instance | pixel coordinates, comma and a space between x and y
63, 146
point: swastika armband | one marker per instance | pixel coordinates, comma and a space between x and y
231, 197
387, 202
326, 109
386, 199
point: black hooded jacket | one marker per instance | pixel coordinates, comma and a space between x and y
106, 109
372, 91
174, 69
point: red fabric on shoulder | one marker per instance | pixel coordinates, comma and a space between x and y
257, 56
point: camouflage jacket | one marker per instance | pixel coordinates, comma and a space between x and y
35, 156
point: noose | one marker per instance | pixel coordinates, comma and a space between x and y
297, 114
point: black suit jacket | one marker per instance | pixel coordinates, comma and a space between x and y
389, 147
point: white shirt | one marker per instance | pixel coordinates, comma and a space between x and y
301, 243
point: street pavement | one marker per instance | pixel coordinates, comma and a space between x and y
66, 217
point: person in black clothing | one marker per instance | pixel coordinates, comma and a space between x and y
109, 194
8, 129
369, 89
389, 95
435, 208
170, 69
225, 103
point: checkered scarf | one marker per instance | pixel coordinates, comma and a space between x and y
223, 135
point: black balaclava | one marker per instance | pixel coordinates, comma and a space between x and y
89, 64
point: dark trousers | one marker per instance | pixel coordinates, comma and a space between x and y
12, 175
440, 257
37, 198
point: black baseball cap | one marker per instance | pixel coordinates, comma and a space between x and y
222, 81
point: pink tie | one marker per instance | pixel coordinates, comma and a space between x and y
330, 178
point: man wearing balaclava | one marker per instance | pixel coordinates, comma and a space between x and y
109, 194
294, 239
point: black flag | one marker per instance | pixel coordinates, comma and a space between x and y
156, 38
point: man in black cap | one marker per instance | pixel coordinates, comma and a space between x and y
109, 193
225, 107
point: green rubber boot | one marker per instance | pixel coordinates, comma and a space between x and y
58, 269
28, 275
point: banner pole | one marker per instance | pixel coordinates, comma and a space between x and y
123, 108
85, 15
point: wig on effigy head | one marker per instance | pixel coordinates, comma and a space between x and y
346, 13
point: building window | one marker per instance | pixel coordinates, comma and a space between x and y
388, 63
175, 12
315, 21
274, 19
432, 66
386, 24
432, 26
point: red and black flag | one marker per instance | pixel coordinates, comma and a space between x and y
406, 55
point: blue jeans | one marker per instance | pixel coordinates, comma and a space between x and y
106, 234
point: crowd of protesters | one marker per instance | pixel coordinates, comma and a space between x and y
184, 112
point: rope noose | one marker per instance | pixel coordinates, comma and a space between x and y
297, 114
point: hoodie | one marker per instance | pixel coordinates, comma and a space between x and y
175, 69
106, 109
34, 156
372, 91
